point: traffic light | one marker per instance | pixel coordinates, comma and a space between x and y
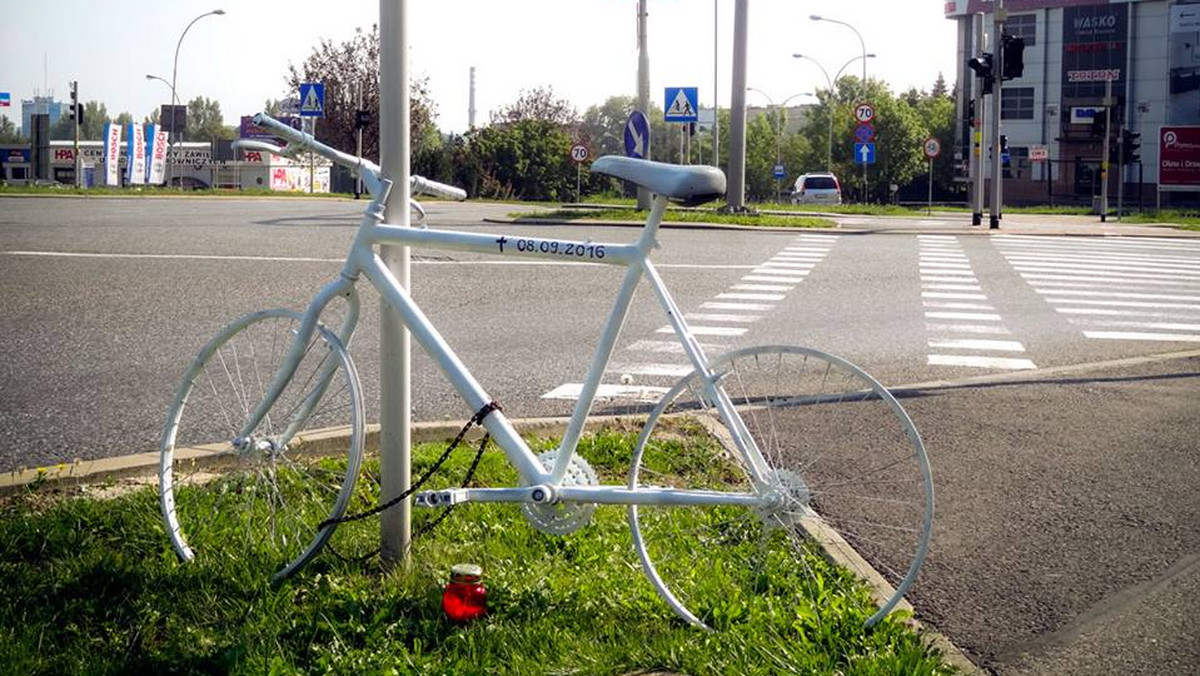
76, 110
983, 66
1131, 144
1014, 56
362, 119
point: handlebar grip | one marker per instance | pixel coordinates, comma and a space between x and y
423, 185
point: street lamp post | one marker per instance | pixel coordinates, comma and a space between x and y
780, 114
830, 82
863, 96
174, 76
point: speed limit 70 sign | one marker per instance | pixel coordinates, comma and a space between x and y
579, 152
864, 112
932, 147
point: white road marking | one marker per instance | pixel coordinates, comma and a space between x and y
1131, 335
751, 296
965, 316
967, 328
1122, 303
745, 307
980, 362
670, 370
736, 319
1160, 326
978, 344
728, 331
761, 287
784, 280
644, 393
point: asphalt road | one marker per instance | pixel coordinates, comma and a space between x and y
1067, 537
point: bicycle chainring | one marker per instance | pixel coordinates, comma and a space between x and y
563, 518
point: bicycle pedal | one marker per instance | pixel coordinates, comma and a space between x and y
446, 498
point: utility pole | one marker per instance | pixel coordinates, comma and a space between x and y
735, 195
643, 198
999, 16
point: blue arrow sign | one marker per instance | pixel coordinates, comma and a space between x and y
312, 99
864, 153
682, 104
637, 136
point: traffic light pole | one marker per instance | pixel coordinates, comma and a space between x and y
999, 15
75, 118
1105, 150
977, 130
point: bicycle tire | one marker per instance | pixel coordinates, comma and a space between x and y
262, 496
815, 417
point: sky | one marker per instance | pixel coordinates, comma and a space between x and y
584, 50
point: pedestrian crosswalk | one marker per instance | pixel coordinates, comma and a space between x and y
1114, 288
963, 327
646, 369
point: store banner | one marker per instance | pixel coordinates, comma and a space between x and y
156, 154
112, 153
135, 155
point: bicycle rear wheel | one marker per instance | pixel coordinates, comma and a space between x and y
229, 493
844, 472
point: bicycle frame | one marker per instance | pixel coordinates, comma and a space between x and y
364, 261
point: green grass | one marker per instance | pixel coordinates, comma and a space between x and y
686, 216
1185, 220
91, 586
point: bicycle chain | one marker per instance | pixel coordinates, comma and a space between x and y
476, 419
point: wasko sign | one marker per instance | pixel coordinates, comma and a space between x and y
1179, 158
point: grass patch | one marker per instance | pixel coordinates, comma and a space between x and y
1185, 220
688, 216
157, 191
91, 586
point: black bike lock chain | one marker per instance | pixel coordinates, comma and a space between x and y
476, 419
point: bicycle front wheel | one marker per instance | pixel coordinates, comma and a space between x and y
232, 491
844, 476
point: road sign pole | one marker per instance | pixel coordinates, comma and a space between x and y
643, 195
929, 210
395, 415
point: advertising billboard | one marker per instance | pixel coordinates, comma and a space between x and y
1179, 158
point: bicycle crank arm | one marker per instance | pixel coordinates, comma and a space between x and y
454, 496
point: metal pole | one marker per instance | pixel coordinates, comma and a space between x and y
471, 102
395, 413
736, 193
75, 114
977, 127
174, 75
998, 17
930, 203
1104, 150
1120, 170
312, 157
358, 138
643, 198
716, 105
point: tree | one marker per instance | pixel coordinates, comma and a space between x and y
538, 104
939, 87
204, 121
345, 67
95, 116
8, 131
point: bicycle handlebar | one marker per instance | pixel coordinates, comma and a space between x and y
366, 169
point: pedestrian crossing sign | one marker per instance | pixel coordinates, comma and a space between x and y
681, 104
312, 99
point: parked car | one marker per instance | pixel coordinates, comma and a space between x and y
819, 187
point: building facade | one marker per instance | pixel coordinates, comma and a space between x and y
39, 105
1054, 115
